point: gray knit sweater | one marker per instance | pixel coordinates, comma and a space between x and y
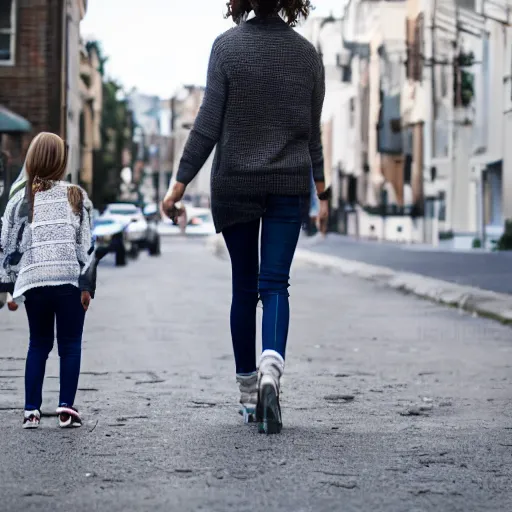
262, 108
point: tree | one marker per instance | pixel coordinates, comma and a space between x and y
463, 84
505, 242
95, 46
116, 136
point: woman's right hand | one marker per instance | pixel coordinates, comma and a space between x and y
323, 214
12, 306
323, 217
173, 197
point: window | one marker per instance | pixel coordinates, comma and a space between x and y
466, 4
352, 112
7, 31
123, 211
442, 206
444, 82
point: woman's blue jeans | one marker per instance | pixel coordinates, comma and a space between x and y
47, 306
268, 280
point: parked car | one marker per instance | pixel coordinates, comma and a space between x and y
110, 236
199, 223
141, 231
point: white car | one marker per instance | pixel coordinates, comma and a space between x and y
110, 236
199, 223
131, 216
139, 231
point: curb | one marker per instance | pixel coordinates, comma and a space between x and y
496, 306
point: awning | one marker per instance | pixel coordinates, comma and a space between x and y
13, 123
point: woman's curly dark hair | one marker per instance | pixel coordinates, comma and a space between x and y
292, 9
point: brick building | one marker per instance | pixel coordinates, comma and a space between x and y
37, 67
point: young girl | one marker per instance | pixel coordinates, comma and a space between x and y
47, 262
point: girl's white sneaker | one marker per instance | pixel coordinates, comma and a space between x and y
69, 417
31, 419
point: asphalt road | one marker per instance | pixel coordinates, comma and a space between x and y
488, 271
390, 403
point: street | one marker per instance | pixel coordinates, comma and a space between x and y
485, 270
390, 403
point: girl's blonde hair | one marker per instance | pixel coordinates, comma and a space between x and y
47, 157
46, 163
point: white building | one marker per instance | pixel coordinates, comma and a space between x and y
374, 33
364, 54
464, 136
460, 98
492, 167
507, 128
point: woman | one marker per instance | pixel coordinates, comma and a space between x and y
262, 107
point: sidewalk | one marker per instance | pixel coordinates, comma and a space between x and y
485, 270
385, 263
390, 404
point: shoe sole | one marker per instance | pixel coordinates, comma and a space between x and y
69, 424
30, 426
269, 411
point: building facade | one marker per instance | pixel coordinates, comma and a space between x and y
185, 105
462, 99
418, 112
91, 106
39, 76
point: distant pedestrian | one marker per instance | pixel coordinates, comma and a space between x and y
262, 110
182, 221
47, 262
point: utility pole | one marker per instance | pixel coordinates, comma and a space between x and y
433, 69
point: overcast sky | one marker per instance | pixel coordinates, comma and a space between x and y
157, 45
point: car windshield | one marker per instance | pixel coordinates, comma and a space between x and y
104, 222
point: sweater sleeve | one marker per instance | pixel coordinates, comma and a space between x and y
208, 124
6, 276
315, 143
85, 249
